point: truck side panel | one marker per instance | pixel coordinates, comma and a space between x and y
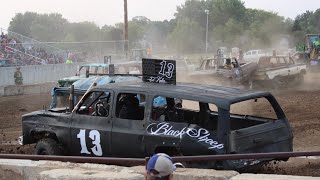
268, 137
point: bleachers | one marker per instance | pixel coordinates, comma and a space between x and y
19, 50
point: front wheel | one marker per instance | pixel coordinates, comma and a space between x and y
48, 146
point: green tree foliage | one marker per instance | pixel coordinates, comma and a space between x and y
49, 27
157, 32
230, 24
305, 20
306, 23
136, 30
187, 36
230, 33
223, 10
194, 10
84, 31
21, 23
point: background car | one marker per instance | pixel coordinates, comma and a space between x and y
253, 55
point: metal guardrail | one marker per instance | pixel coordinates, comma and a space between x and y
273, 155
140, 161
78, 159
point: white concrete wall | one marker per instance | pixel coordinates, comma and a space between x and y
13, 90
38, 73
50, 170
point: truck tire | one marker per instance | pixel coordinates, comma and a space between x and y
278, 82
48, 146
249, 84
300, 78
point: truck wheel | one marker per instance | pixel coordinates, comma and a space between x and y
300, 78
278, 82
48, 146
248, 84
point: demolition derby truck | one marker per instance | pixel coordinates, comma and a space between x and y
125, 120
224, 69
278, 72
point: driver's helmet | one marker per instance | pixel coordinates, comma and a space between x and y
159, 102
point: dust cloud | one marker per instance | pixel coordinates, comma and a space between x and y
311, 82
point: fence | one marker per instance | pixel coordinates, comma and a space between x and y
91, 51
84, 51
29, 42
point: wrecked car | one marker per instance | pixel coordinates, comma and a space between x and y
278, 71
125, 120
225, 69
101, 69
60, 95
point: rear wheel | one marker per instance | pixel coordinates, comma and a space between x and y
48, 146
300, 78
279, 82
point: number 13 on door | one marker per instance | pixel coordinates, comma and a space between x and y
94, 135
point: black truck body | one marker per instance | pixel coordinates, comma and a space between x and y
98, 128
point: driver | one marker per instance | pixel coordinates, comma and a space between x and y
130, 108
171, 112
228, 64
102, 107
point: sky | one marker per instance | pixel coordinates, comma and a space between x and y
110, 12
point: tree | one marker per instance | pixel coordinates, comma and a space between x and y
187, 36
21, 23
193, 10
135, 32
307, 21
228, 34
157, 32
316, 20
141, 20
49, 27
296, 26
84, 31
223, 10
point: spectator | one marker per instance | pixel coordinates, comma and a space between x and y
13, 43
12, 50
69, 61
160, 167
3, 44
3, 36
18, 76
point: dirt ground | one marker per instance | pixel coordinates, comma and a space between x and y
300, 104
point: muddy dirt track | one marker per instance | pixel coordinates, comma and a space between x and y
301, 105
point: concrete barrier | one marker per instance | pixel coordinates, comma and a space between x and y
14, 90
38, 73
271, 177
49, 170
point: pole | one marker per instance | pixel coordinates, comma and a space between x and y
207, 12
71, 98
126, 45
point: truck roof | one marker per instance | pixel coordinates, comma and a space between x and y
218, 95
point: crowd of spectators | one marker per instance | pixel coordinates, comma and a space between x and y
14, 53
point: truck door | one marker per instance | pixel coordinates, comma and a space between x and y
293, 68
259, 125
91, 125
282, 65
128, 125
